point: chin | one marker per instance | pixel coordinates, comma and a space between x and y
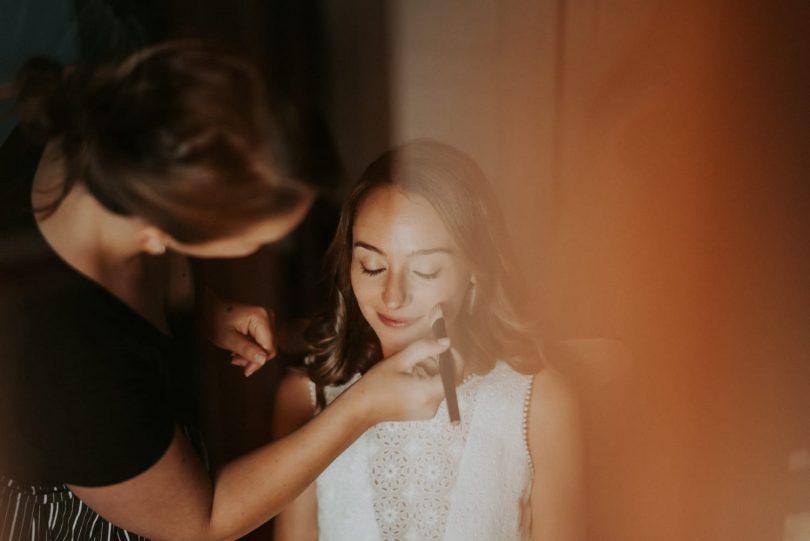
395, 344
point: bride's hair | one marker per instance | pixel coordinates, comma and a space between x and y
489, 327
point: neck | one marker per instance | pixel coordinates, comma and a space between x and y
96, 242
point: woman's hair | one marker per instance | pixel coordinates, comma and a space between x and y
490, 326
180, 134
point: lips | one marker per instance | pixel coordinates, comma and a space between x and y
396, 323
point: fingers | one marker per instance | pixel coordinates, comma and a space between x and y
246, 331
245, 352
427, 393
420, 352
406, 386
261, 328
244, 346
248, 367
426, 369
435, 388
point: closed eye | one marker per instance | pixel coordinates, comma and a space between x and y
371, 272
426, 275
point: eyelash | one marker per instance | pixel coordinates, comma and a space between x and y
375, 272
371, 272
430, 276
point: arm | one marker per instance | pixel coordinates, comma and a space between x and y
557, 500
175, 499
299, 520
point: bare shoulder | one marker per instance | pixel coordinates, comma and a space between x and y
552, 393
294, 405
294, 389
553, 410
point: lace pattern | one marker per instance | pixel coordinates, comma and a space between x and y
435, 480
413, 468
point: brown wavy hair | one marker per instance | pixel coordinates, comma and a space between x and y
490, 327
181, 134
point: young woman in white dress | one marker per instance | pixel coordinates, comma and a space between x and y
421, 229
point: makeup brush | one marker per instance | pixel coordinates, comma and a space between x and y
447, 369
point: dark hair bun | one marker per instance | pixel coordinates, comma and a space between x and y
42, 97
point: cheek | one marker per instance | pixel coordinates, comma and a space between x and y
447, 291
455, 294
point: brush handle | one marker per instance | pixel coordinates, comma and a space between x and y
447, 369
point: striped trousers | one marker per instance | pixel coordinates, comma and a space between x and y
34, 513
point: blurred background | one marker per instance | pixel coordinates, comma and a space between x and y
652, 160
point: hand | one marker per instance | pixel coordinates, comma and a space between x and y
246, 331
400, 388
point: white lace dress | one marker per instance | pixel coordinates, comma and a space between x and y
431, 480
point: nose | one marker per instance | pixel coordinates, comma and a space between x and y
395, 292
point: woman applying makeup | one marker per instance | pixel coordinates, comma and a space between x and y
174, 152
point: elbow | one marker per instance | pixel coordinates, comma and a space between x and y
202, 531
199, 536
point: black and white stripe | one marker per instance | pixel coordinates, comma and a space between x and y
33, 513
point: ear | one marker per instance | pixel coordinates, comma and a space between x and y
152, 240
471, 294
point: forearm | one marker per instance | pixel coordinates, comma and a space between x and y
253, 488
294, 408
176, 500
299, 520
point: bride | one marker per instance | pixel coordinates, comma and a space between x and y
419, 229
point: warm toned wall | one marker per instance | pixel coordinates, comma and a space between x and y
651, 158
682, 222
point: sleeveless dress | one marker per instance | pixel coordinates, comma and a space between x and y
432, 480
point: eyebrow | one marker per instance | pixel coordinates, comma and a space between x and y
427, 251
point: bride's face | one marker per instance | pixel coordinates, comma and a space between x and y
404, 262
